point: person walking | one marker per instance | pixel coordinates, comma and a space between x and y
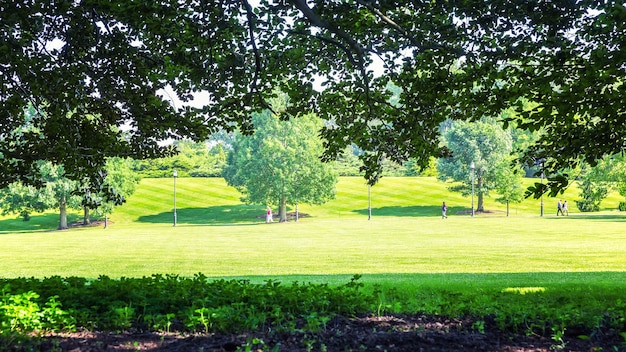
559, 208
564, 209
269, 218
444, 211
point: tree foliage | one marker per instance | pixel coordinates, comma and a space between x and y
280, 165
119, 176
193, 159
95, 68
509, 183
592, 193
61, 193
596, 182
57, 193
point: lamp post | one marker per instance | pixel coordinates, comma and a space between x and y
472, 168
175, 176
369, 202
296, 192
541, 189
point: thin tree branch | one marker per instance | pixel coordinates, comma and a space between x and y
257, 57
316, 20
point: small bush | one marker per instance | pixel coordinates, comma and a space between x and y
587, 206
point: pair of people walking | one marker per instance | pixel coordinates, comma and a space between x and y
561, 208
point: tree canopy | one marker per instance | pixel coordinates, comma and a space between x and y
115, 77
279, 164
487, 147
61, 193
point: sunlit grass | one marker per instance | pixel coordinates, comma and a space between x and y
393, 245
220, 237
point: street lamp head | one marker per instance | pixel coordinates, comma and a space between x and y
175, 173
472, 165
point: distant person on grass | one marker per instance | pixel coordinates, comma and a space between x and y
559, 208
444, 211
269, 217
564, 209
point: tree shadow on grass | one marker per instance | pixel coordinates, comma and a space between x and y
241, 214
412, 211
587, 216
38, 222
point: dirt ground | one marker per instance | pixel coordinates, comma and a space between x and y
387, 333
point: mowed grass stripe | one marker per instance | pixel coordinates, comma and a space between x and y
400, 196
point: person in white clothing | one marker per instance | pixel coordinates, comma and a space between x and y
269, 218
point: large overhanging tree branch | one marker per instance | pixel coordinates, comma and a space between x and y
97, 71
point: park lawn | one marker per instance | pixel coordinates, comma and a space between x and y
406, 238
383, 245
206, 201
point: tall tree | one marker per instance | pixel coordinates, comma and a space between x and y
509, 183
596, 182
593, 189
57, 193
121, 177
94, 68
483, 144
279, 164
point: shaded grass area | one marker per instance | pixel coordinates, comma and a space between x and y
589, 315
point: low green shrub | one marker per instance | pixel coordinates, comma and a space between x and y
167, 303
196, 304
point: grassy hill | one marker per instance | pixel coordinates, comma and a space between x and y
211, 201
219, 236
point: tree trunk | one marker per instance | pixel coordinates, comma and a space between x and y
480, 206
63, 214
507, 208
283, 209
86, 220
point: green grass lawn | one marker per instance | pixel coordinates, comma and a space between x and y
405, 239
526, 271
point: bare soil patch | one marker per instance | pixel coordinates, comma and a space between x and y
386, 333
93, 223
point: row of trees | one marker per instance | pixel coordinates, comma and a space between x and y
279, 165
51, 186
57, 191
